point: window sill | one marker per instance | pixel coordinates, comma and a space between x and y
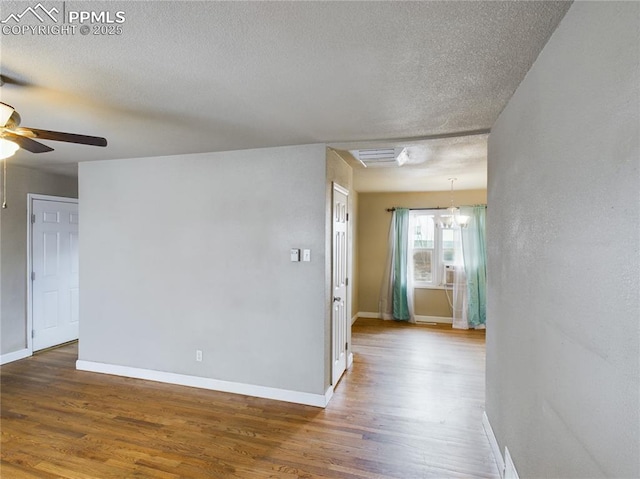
428, 286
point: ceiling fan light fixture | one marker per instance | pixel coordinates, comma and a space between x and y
5, 113
7, 148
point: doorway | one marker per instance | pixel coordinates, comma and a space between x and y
53, 271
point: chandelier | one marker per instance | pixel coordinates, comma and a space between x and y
453, 218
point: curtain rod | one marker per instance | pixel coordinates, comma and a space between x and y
389, 210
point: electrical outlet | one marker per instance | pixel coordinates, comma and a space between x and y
198, 355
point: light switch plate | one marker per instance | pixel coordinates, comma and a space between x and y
295, 254
306, 255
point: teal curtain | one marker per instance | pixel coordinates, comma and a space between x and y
400, 279
475, 264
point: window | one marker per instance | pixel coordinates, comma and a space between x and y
432, 249
423, 247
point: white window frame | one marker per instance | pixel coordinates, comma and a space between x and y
437, 262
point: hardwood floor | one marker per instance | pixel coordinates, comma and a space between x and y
410, 407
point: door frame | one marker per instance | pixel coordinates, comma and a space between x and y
31, 197
349, 355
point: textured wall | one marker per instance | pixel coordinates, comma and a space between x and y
373, 233
13, 248
563, 337
192, 252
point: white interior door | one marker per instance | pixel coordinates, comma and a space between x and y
54, 243
339, 280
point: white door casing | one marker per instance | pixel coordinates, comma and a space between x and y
54, 271
339, 319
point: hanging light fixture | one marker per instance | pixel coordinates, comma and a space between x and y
453, 218
4, 184
7, 148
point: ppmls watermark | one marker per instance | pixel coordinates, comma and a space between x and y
60, 19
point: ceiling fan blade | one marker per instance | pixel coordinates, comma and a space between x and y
26, 143
12, 80
68, 137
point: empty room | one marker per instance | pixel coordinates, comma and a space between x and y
320, 239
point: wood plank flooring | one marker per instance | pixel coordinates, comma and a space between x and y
410, 407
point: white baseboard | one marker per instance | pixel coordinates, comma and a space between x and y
419, 319
15, 356
309, 399
349, 360
328, 394
493, 442
353, 320
434, 319
509, 468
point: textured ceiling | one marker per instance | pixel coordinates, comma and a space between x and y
189, 77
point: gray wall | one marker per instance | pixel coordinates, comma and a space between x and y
563, 375
13, 248
192, 252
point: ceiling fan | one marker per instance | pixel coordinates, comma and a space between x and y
13, 137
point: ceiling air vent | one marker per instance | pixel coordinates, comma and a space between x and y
382, 157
